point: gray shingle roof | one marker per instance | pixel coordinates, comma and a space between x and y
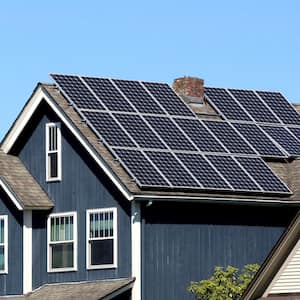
92, 290
27, 191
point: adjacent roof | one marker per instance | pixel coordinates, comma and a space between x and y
20, 184
93, 290
273, 263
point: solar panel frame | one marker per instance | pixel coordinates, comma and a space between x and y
204, 171
230, 169
259, 140
226, 133
254, 106
284, 138
223, 103
258, 169
76, 91
168, 99
281, 107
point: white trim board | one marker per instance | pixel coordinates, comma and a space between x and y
38, 96
27, 251
10, 194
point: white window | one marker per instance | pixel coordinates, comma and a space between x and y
62, 242
3, 245
53, 152
101, 248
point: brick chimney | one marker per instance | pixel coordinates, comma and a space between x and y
189, 86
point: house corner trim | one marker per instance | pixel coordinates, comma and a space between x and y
27, 251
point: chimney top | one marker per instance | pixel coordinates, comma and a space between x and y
189, 86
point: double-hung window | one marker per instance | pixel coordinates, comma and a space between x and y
53, 152
62, 242
3, 245
101, 233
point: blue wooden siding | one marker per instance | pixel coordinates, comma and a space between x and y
184, 242
12, 283
83, 186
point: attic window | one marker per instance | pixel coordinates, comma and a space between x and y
53, 152
101, 238
3, 245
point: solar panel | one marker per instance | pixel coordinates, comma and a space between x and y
233, 173
169, 132
198, 133
286, 140
295, 131
172, 169
254, 106
140, 168
108, 94
138, 96
203, 171
108, 129
77, 92
140, 131
168, 99
223, 101
259, 140
229, 137
262, 174
282, 108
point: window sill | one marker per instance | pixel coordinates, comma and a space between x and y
61, 270
53, 179
101, 267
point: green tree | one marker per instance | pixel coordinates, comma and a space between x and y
225, 284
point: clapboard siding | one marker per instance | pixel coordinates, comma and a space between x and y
288, 278
83, 186
184, 242
12, 283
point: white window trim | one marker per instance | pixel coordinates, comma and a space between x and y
115, 238
5, 218
75, 236
58, 178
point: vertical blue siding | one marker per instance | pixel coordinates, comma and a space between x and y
83, 186
12, 283
184, 242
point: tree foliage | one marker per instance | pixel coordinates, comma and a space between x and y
225, 284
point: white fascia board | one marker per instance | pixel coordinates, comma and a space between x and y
10, 194
27, 251
27, 113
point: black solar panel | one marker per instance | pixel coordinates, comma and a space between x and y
254, 106
169, 132
140, 131
108, 94
229, 137
108, 129
138, 96
295, 132
262, 174
168, 99
203, 171
259, 140
286, 140
226, 104
77, 92
140, 168
233, 173
172, 169
282, 108
202, 138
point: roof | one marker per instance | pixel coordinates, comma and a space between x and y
19, 183
273, 263
92, 290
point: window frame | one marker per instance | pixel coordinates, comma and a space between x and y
58, 151
49, 243
5, 244
114, 265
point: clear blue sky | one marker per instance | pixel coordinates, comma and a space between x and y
243, 44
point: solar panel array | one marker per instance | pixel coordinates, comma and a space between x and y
160, 141
262, 118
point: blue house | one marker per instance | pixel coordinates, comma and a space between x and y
116, 189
